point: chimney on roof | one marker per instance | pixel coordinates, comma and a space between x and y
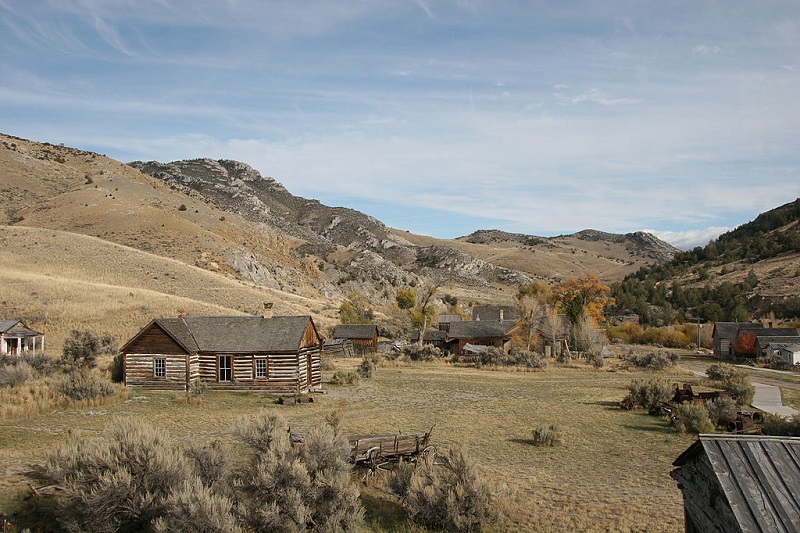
501, 315
267, 309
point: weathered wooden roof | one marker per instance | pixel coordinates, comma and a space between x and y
470, 329
236, 334
15, 328
729, 330
432, 335
759, 475
355, 331
448, 318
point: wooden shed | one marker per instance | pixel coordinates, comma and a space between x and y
279, 354
17, 339
737, 483
363, 336
480, 332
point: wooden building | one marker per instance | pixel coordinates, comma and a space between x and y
17, 339
363, 336
480, 332
278, 354
738, 483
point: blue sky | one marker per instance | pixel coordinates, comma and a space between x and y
439, 117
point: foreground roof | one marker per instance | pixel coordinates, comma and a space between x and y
759, 475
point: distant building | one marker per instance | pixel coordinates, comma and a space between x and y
363, 336
17, 339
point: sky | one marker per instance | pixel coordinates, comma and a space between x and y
444, 117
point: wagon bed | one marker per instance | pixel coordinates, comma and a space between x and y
365, 449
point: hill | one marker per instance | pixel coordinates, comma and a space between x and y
752, 271
215, 237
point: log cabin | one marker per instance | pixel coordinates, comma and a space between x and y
363, 336
279, 355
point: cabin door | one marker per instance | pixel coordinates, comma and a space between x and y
309, 359
224, 368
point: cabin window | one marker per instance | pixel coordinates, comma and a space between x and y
159, 367
224, 368
261, 368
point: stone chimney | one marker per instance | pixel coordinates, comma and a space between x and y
267, 309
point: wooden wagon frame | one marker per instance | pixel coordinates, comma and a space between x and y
374, 451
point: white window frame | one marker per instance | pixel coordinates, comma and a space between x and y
160, 367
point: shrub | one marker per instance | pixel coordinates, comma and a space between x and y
649, 393
84, 386
366, 368
182, 207
653, 360
740, 388
43, 364
449, 495
327, 365
81, 347
722, 407
15, 374
130, 480
400, 478
340, 377
426, 352
692, 418
721, 371
297, 488
781, 426
596, 359
117, 368
194, 507
775, 362
212, 463
547, 436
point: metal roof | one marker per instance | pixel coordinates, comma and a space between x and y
759, 476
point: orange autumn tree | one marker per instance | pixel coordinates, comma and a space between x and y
584, 296
745, 343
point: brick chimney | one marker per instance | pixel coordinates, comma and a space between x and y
267, 309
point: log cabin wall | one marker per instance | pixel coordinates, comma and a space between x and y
140, 371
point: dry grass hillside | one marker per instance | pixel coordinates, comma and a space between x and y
60, 281
95, 243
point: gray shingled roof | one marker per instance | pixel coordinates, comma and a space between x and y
15, 328
236, 334
467, 329
759, 475
729, 330
355, 331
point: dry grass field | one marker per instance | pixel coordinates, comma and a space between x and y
611, 473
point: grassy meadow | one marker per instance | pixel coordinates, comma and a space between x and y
611, 473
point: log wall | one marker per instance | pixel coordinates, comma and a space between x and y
179, 369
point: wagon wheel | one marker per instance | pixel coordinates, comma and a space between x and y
427, 452
374, 462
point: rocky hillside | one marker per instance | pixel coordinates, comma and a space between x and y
225, 218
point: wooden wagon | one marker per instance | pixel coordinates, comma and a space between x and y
374, 451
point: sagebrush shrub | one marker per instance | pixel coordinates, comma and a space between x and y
781, 426
721, 407
342, 377
547, 436
297, 488
15, 374
448, 493
721, 371
85, 386
740, 387
366, 368
692, 418
400, 478
425, 353
649, 392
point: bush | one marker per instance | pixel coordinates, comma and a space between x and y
84, 386
740, 388
692, 418
117, 368
426, 352
721, 371
400, 479
547, 436
722, 407
775, 362
653, 360
366, 368
297, 488
649, 393
135, 479
449, 495
81, 347
340, 377
596, 359
15, 374
781, 426
43, 364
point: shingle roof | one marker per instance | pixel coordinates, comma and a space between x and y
236, 334
479, 328
492, 312
729, 330
759, 475
15, 328
355, 331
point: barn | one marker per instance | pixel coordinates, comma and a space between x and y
278, 355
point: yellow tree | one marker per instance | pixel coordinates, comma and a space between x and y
583, 296
531, 308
